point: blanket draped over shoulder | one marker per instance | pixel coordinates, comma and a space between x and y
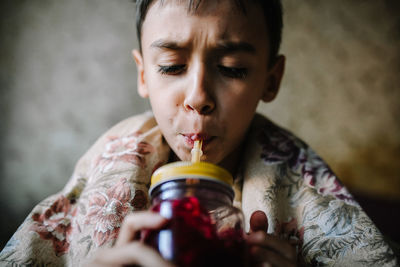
279, 174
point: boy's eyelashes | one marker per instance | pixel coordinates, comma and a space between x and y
230, 72
171, 69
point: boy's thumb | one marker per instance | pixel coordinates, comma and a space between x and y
258, 221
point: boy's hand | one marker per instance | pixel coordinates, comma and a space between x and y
266, 249
128, 250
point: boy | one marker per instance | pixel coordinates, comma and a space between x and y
204, 65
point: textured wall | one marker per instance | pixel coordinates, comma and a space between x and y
341, 90
66, 75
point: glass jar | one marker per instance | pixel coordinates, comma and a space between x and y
204, 228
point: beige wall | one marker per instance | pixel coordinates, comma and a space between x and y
66, 76
341, 91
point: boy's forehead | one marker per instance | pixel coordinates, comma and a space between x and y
175, 26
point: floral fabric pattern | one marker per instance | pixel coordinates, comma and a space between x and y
55, 224
127, 149
318, 175
332, 227
290, 230
279, 146
280, 175
107, 210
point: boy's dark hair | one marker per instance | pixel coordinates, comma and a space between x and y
272, 10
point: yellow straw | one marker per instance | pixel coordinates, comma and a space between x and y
196, 151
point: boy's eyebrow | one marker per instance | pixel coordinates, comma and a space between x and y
165, 44
225, 46
230, 47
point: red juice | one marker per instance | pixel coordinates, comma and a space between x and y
191, 237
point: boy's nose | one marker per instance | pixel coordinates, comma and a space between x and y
198, 97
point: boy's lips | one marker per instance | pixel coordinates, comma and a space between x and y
191, 137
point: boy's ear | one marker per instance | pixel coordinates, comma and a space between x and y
141, 82
274, 79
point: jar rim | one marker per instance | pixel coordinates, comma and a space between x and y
186, 169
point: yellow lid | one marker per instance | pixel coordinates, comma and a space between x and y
186, 169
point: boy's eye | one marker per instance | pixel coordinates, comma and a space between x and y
171, 69
235, 73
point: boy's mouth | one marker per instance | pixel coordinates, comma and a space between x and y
191, 137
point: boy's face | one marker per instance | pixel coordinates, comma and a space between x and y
205, 72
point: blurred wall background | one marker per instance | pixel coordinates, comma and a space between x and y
66, 75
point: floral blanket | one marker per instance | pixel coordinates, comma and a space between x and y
279, 175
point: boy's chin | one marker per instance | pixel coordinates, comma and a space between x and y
180, 156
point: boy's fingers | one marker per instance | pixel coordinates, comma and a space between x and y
281, 246
133, 253
258, 221
133, 223
262, 256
